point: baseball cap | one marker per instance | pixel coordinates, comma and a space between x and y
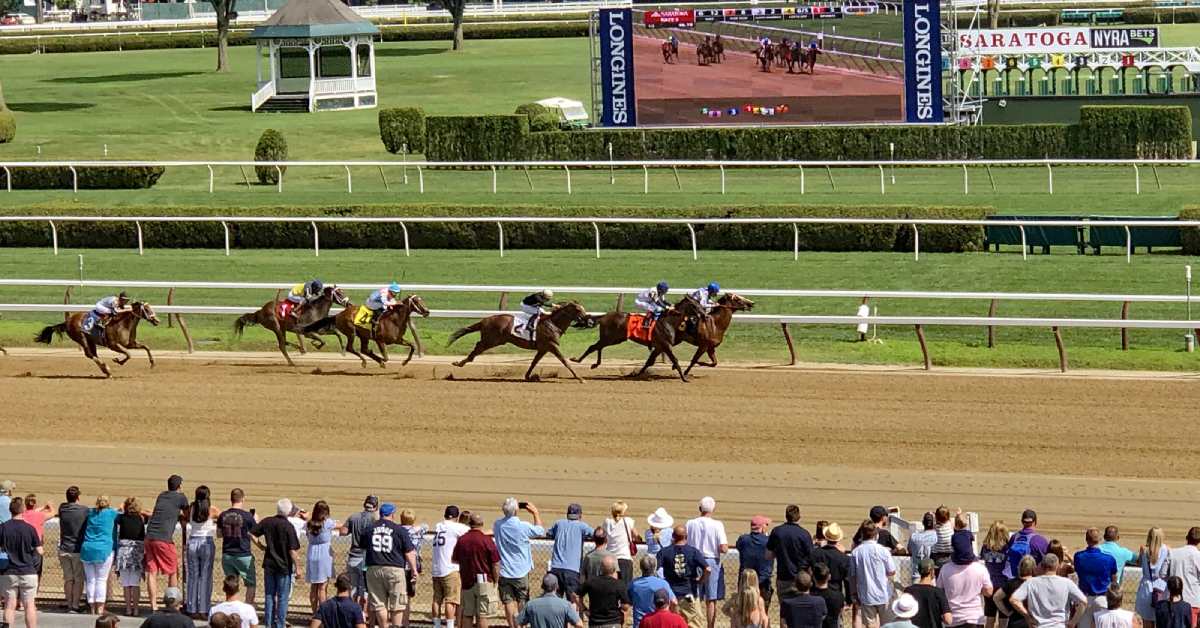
371, 502
661, 598
759, 521
877, 513
387, 509
574, 511
452, 512
172, 593
1028, 516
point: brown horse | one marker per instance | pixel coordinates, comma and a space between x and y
710, 331
119, 334
763, 56
810, 59
718, 49
668, 332
497, 330
666, 51
389, 330
269, 319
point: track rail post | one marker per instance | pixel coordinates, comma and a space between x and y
1062, 350
882, 181
1128, 246
386, 187
500, 228
138, 225
412, 325
225, 227
1137, 180
1157, 181
966, 180
829, 171
787, 335
620, 303
279, 180
54, 236
528, 179
404, 229
349, 181
645, 179
245, 179
568, 171
991, 179
420, 180
692, 232
1024, 245
183, 328
722, 178
503, 301
74, 180
916, 243
1050, 177
802, 180
678, 185
211, 179
316, 239
7, 178
596, 229
494, 180
1124, 331
991, 330
924, 347
795, 242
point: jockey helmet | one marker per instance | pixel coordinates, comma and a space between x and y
812, 44
316, 285
123, 296
548, 293
714, 287
394, 288
663, 287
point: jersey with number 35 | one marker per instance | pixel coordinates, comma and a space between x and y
445, 537
386, 543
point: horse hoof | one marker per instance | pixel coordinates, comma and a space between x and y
595, 366
533, 378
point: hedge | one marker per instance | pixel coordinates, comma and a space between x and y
1136, 131
476, 138
402, 128
8, 125
541, 118
534, 235
272, 146
1190, 236
90, 178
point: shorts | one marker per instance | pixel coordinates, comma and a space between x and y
447, 589
514, 590
20, 587
568, 581
387, 588
787, 588
72, 566
240, 566
478, 601
872, 615
989, 607
357, 569
713, 587
690, 611
766, 590
161, 557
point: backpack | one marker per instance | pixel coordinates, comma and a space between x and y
1018, 548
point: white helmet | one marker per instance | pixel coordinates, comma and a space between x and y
548, 293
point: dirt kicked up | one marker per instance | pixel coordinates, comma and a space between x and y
1081, 450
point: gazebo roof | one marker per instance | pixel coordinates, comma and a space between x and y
313, 18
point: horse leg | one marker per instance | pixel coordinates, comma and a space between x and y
695, 359
558, 354
596, 346
299, 342
137, 345
281, 339
119, 349
89, 350
649, 361
350, 348
529, 376
712, 356
411, 350
318, 344
382, 349
480, 347
675, 364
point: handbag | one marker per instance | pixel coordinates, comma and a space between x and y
633, 548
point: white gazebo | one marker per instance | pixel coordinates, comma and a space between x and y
320, 56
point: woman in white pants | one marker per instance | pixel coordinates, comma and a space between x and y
99, 538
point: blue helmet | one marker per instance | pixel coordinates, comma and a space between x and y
316, 285
394, 288
714, 287
663, 287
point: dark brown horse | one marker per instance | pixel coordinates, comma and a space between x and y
268, 317
668, 332
497, 330
810, 59
119, 334
706, 53
666, 52
389, 330
763, 55
718, 49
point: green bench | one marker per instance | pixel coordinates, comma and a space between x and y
1076, 16
1149, 237
1109, 16
1035, 236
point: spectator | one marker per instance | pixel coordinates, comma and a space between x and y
391, 562
684, 568
37, 517
962, 540
550, 610
96, 552
871, 571
71, 517
804, 610
591, 566
1185, 563
791, 547
276, 537
707, 535
478, 560
18, 579
1049, 600
662, 617
565, 560
642, 590
659, 534
1123, 555
512, 539
879, 516
131, 534
354, 526
6, 490
752, 556
200, 532
159, 547
904, 609
835, 601
298, 518
991, 552
607, 598
1112, 615
416, 533
1065, 567
447, 589
1025, 570
966, 583
920, 544
318, 564
834, 556
1174, 612
233, 604
107, 620
622, 540
1153, 586
1026, 542
341, 611
221, 620
171, 616
944, 528
747, 609
234, 526
933, 609
819, 533
1097, 571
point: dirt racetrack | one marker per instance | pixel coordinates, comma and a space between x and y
1082, 450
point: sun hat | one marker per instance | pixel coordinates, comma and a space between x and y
660, 519
905, 606
833, 532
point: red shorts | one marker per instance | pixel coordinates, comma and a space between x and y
160, 557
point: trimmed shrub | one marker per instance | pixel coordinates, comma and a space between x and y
1190, 236
402, 126
476, 138
8, 125
90, 178
1153, 132
271, 147
541, 118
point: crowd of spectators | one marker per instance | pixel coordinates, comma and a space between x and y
667, 575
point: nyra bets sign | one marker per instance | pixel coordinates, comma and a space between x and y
922, 61
616, 67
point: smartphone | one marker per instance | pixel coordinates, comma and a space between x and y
251, 512
522, 505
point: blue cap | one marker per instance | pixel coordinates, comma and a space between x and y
663, 287
387, 509
395, 287
714, 287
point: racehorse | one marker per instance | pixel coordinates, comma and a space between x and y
763, 55
390, 329
666, 51
795, 56
497, 330
705, 53
718, 49
782, 53
810, 58
268, 317
119, 334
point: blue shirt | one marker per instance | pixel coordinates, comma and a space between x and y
512, 540
339, 612
752, 554
1095, 570
1122, 555
568, 535
655, 544
641, 595
99, 535
5, 501
548, 611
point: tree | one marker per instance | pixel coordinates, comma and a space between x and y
226, 11
456, 8
993, 9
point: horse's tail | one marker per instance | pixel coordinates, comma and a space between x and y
464, 331
242, 321
47, 334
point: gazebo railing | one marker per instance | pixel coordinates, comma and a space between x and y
266, 91
335, 86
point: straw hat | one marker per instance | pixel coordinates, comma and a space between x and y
833, 532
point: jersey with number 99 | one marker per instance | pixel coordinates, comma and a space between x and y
386, 543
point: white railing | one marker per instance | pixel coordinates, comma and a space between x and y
324, 86
265, 92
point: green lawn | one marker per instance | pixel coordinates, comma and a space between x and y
958, 346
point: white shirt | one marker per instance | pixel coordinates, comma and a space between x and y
1119, 618
299, 524
707, 535
618, 536
244, 611
445, 537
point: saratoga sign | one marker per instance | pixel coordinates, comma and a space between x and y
1057, 39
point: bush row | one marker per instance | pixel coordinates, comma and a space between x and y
90, 178
1190, 236
539, 235
8, 125
402, 128
1136, 131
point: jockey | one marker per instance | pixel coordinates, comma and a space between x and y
304, 293
382, 299
654, 302
674, 44
108, 307
704, 296
532, 305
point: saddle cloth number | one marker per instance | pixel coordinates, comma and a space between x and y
634, 329
89, 322
285, 309
521, 326
362, 317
